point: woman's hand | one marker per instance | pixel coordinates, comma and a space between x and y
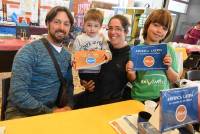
88, 85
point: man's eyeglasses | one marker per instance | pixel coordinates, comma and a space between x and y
116, 29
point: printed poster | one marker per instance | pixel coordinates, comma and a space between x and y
12, 8
89, 58
149, 57
82, 9
1, 6
30, 6
179, 106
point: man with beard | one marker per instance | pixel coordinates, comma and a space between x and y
34, 83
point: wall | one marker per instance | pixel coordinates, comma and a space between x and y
187, 20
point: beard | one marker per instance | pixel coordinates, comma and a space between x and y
58, 37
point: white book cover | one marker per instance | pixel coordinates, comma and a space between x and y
125, 124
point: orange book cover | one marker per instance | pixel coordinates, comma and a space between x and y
84, 59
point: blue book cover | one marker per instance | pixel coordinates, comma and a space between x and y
149, 57
179, 106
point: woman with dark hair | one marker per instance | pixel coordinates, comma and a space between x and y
147, 84
113, 76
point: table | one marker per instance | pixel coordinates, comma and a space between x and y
10, 44
92, 120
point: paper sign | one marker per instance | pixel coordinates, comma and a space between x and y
149, 57
125, 125
179, 106
89, 58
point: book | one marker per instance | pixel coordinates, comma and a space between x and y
179, 106
84, 59
149, 57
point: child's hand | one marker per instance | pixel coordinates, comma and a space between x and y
129, 66
108, 56
167, 60
131, 74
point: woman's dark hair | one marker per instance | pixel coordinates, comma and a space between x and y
53, 12
161, 16
124, 21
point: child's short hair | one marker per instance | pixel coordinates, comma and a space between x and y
161, 16
94, 14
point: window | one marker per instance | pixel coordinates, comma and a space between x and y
179, 6
185, 0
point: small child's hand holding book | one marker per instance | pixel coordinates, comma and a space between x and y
108, 56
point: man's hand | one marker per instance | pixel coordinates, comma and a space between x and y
88, 85
64, 109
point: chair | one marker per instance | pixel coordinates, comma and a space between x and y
6, 60
5, 91
193, 75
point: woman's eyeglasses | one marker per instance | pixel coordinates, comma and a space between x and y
116, 29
